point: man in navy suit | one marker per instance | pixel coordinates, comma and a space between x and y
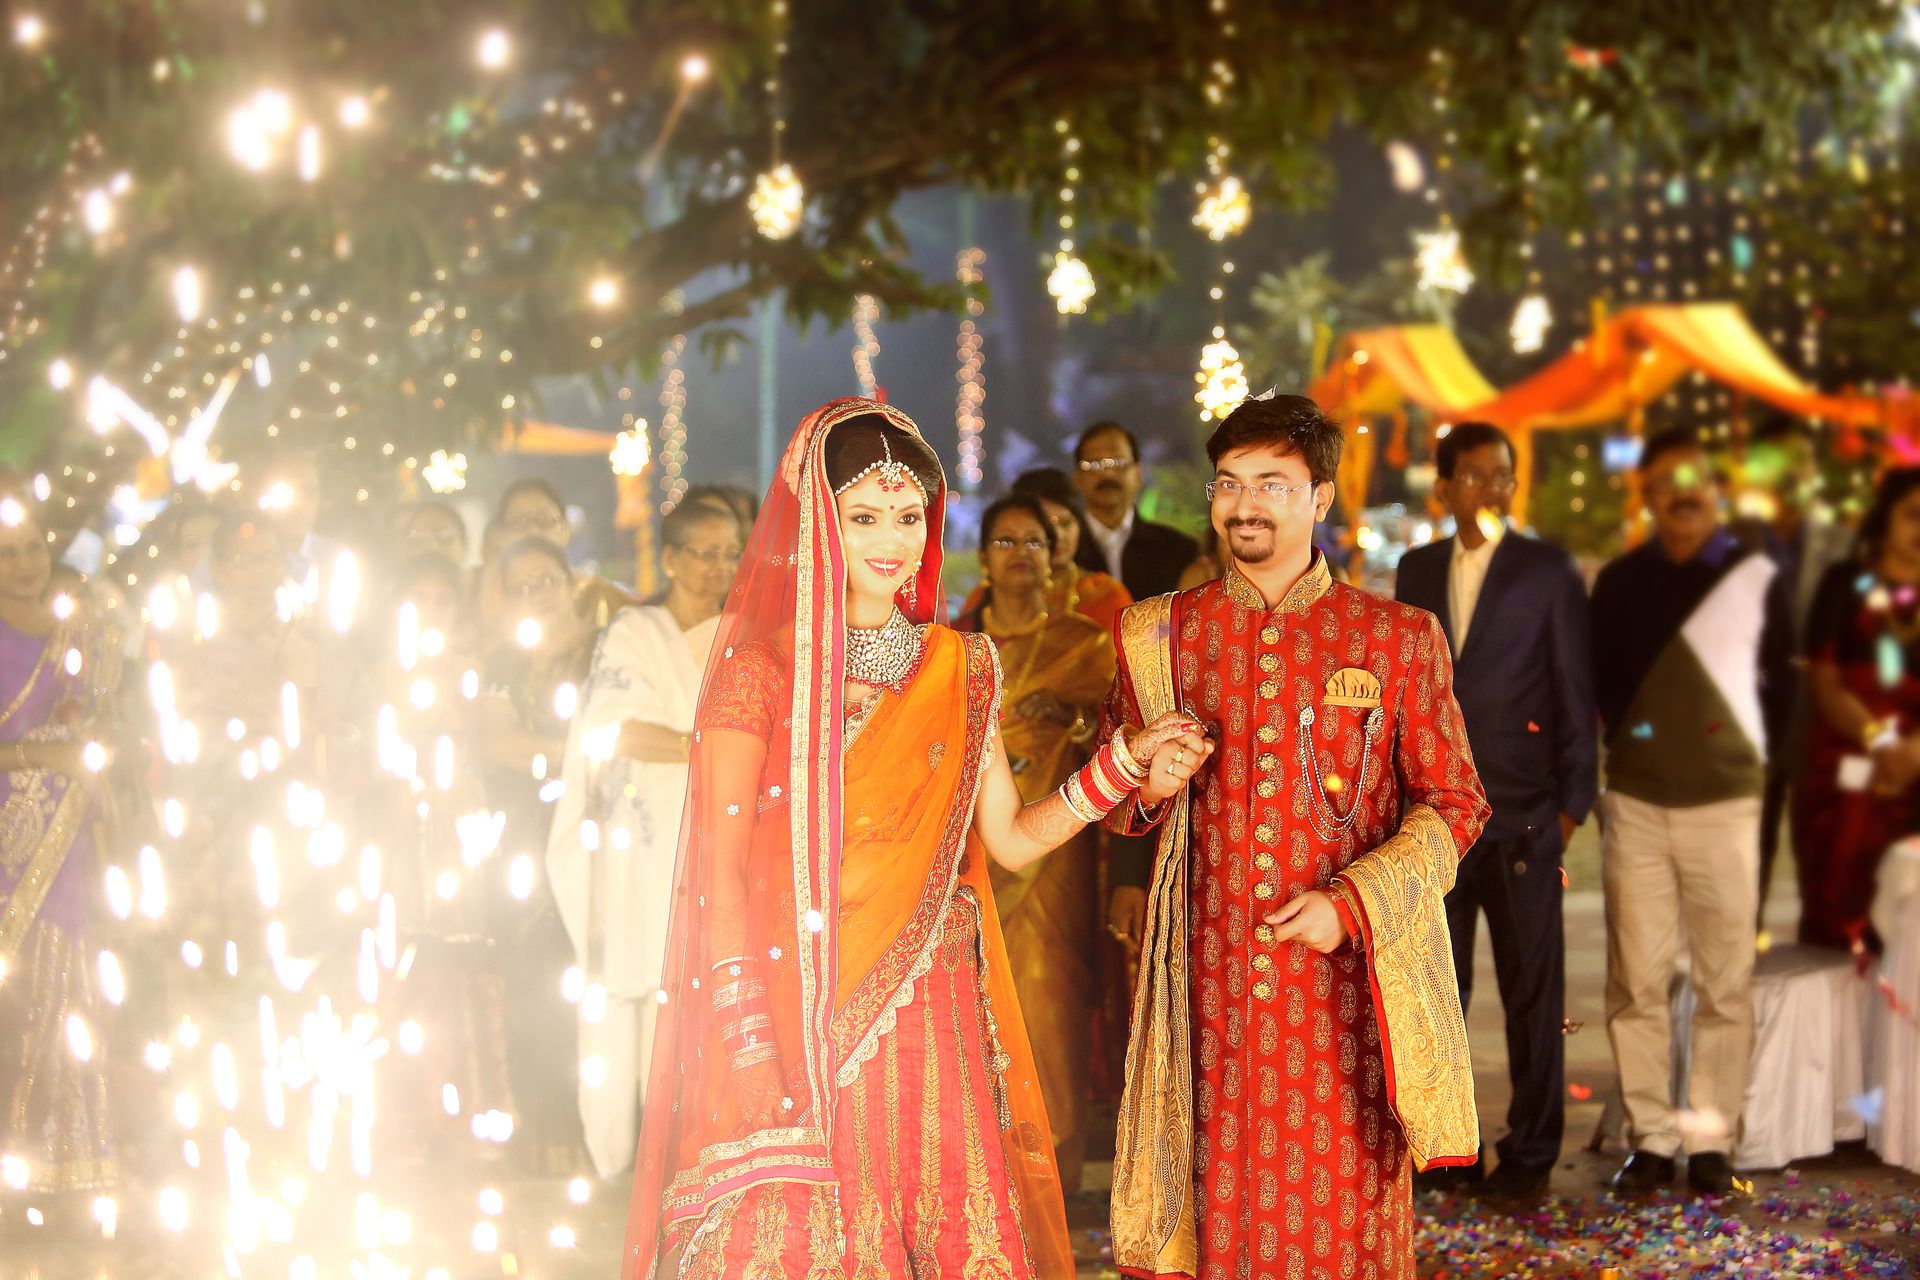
1515, 616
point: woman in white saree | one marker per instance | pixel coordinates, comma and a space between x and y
616, 828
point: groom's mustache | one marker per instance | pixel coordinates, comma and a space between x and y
1252, 523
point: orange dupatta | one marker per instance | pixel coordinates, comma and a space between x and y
907, 848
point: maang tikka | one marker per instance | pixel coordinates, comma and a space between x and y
895, 476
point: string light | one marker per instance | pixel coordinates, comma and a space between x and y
673, 429
1071, 281
778, 202
1224, 211
969, 406
29, 29
866, 344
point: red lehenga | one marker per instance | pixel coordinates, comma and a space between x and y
911, 1138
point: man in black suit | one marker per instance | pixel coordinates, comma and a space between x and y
1148, 558
1515, 616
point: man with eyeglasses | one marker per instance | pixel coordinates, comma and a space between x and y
1148, 558
1690, 631
1297, 1044
1515, 615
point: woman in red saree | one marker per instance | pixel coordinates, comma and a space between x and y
841, 1083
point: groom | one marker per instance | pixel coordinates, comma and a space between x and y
1297, 1047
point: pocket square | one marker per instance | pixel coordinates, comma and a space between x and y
1353, 687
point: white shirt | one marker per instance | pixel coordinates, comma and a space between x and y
1466, 574
1112, 542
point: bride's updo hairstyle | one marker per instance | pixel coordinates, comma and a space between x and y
862, 445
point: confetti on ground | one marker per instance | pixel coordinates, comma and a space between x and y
1794, 1231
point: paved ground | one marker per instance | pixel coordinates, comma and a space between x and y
1845, 1215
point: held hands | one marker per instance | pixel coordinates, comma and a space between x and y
1173, 748
1311, 920
758, 1088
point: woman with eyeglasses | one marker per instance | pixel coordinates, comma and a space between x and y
1058, 666
1091, 593
533, 682
531, 509
626, 772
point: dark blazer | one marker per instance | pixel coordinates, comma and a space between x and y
1525, 679
1150, 564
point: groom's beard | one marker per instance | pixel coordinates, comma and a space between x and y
1251, 540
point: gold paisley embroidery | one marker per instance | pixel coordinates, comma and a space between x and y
1399, 888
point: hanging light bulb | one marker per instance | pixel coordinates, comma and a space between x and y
1222, 378
1442, 264
631, 452
1225, 208
1531, 320
445, 472
1070, 283
777, 203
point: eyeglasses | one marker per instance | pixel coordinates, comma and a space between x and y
1498, 482
1018, 544
439, 537
711, 555
533, 520
1278, 494
545, 584
1104, 464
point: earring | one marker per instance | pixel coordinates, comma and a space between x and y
986, 579
912, 589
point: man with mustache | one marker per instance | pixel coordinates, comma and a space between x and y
1297, 1045
1148, 558
1689, 630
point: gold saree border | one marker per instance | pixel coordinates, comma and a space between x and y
30, 893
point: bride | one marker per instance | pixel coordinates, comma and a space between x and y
841, 1083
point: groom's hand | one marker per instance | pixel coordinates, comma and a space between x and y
1311, 920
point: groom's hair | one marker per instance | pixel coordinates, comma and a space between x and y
1285, 424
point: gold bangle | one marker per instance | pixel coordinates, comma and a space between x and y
1123, 757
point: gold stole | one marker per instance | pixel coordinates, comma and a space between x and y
1153, 1223
1396, 890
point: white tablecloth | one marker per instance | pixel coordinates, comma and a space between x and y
1809, 1070
1894, 1034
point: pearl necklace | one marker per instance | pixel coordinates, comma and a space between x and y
887, 657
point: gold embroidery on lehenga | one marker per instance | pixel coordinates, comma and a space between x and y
985, 1259
926, 1208
769, 1237
867, 1224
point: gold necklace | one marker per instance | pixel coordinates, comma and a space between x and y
1037, 631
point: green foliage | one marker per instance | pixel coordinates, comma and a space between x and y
423, 222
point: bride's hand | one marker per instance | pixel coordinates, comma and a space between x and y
1173, 748
758, 1089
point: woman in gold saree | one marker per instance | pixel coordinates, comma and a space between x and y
1058, 667
55, 671
841, 1083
